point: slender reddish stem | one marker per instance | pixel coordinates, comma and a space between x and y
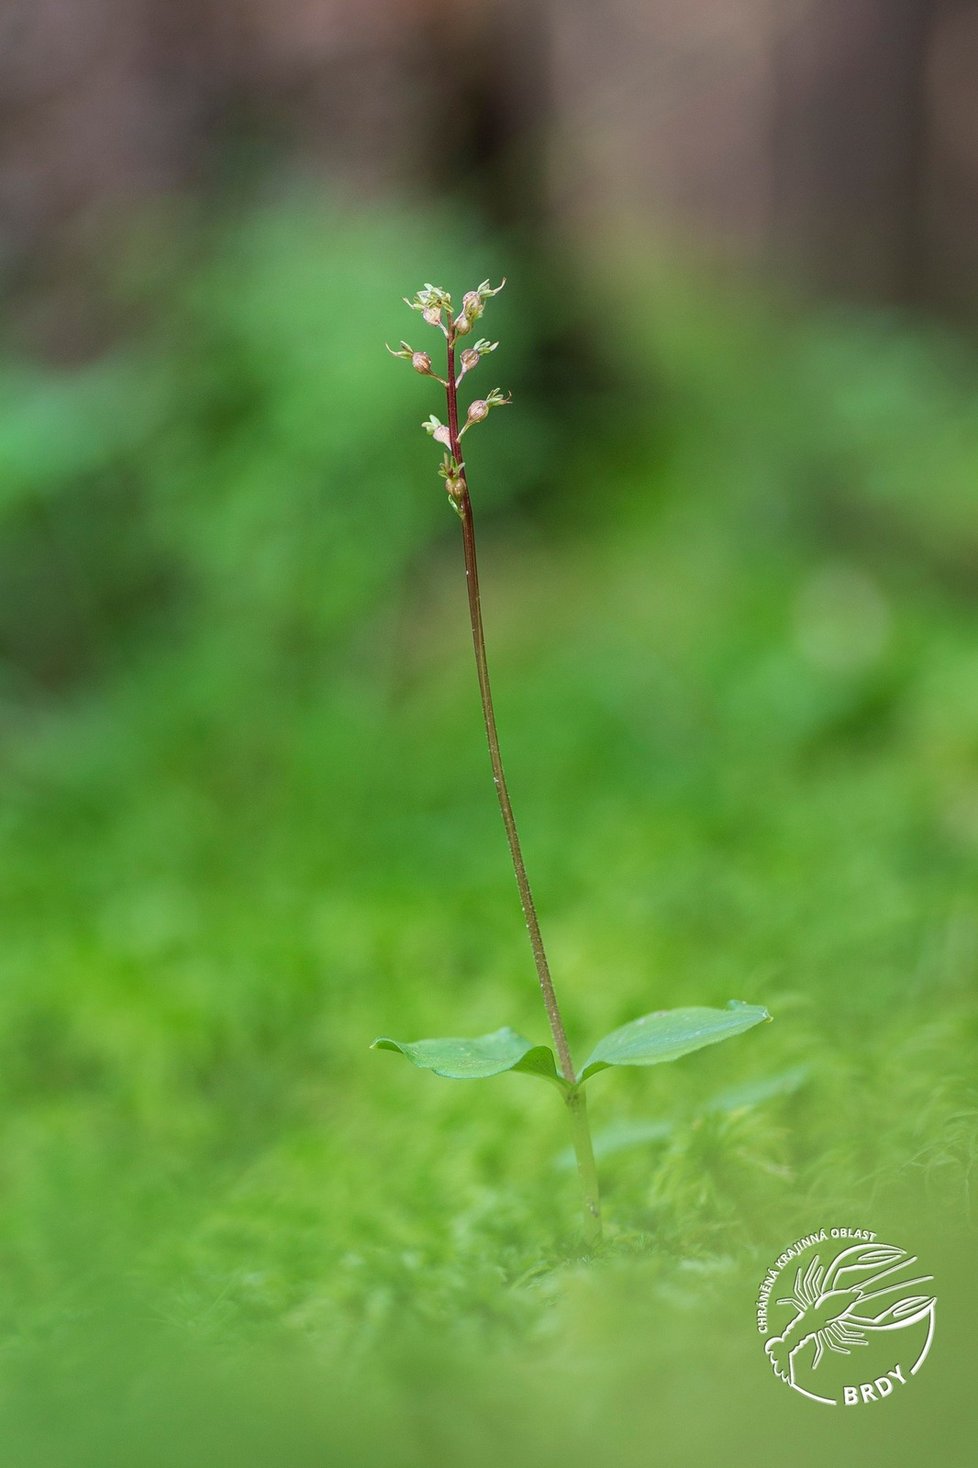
464, 506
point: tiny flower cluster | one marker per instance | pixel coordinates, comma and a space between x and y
435, 307
473, 305
435, 304
431, 302
478, 410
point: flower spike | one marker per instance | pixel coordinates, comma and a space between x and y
433, 302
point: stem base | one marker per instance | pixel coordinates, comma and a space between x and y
587, 1172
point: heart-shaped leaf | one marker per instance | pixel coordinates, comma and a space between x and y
487, 1055
669, 1033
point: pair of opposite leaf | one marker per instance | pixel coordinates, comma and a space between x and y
664, 1035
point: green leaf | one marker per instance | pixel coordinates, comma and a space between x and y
669, 1033
487, 1055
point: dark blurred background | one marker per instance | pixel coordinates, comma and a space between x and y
833, 144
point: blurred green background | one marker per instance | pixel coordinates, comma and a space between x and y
729, 546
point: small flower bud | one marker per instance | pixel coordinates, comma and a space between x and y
472, 356
451, 472
462, 325
481, 407
421, 362
474, 302
439, 431
432, 314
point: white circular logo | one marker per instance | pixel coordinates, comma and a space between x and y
847, 1320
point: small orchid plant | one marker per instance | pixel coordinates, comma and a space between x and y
663, 1035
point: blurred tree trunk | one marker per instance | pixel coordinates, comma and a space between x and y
852, 143
833, 139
